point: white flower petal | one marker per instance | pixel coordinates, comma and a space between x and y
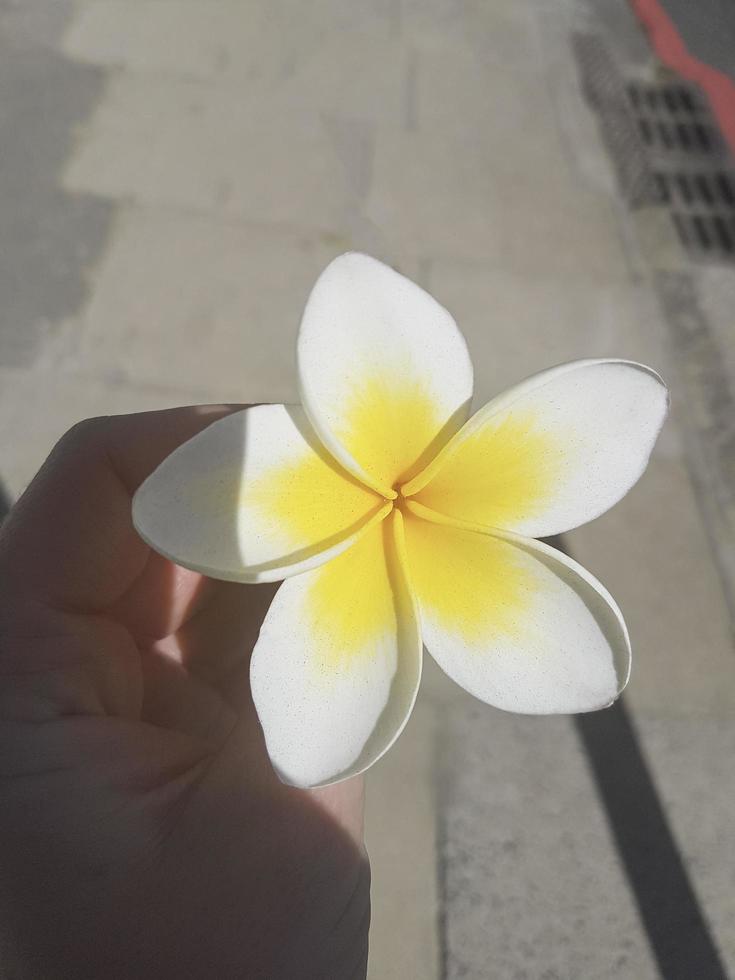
335, 672
384, 372
254, 497
552, 453
515, 622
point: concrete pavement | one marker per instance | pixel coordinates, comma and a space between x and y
195, 163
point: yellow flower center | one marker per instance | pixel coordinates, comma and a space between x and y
390, 426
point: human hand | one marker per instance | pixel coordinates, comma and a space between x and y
143, 832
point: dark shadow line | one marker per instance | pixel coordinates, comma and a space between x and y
669, 909
677, 932
5, 503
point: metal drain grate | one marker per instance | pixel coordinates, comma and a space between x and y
666, 148
672, 118
709, 189
603, 87
706, 234
702, 206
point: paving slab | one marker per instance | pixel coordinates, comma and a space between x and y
652, 552
717, 297
185, 301
517, 325
35, 24
183, 38
692, 759
428, 190
541, 897
201, 146
402, 837
344, 66
645, 550
49, 237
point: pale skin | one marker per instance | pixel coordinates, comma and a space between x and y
143, 832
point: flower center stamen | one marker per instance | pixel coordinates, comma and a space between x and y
400, 501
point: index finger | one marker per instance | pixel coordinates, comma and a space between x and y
70, 542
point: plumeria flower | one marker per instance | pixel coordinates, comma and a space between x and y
396, 520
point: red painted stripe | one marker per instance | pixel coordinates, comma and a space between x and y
670, 48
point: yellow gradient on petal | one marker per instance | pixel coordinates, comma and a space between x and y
471, 584
390, 425
308, 501
352, 605
505, 471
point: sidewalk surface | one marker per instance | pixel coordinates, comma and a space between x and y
173, 176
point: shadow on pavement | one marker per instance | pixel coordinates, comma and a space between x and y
668, 906
674, 923
49, 237
5, 502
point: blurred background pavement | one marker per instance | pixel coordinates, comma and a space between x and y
173, 176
